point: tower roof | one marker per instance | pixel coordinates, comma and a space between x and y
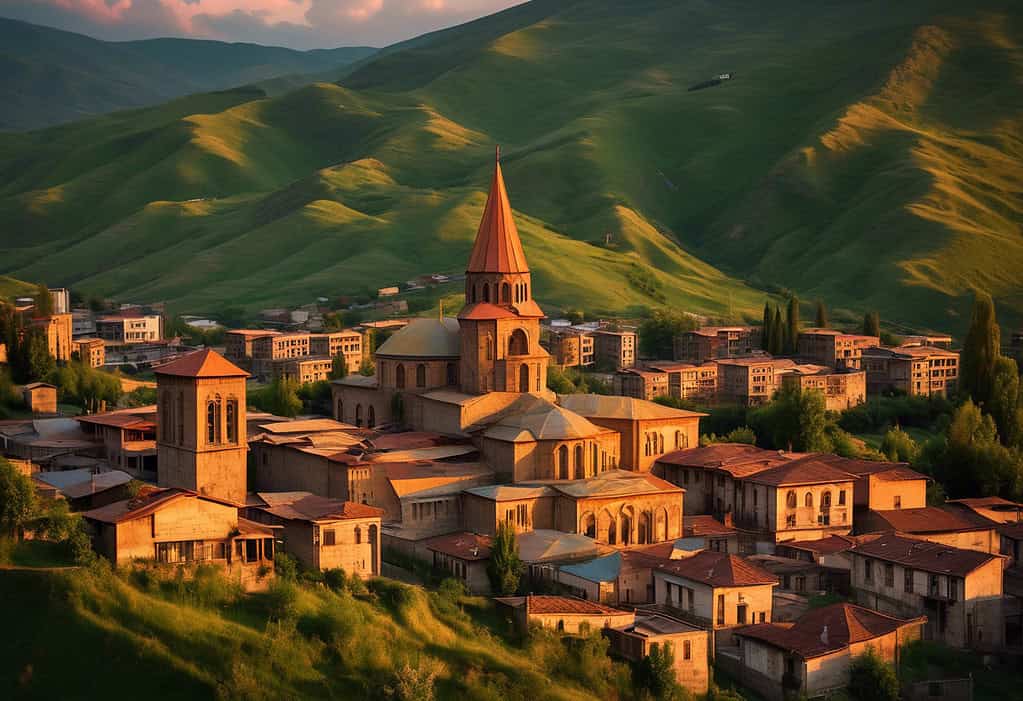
497, 248
202, 363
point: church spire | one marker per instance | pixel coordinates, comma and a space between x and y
497, 248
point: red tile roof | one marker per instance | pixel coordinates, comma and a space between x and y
717, 570
145, 503
497, 248
809, 469
317, 508
888, 471
926, 519
717, 455
923, 555
547, 604
463, 545
202, 363
120, 419
705, 525
826, 630
825, 546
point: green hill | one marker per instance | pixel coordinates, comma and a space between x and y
49, 76
864, 152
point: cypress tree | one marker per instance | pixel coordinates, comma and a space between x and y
981, 350
777, 333
765, 334
871, 324
821, 321
792, 332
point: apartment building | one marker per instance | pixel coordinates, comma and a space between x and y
841, 389
335, 343
91, 351
303, 370
688, 381
281, 346
571, 347
915, 370
615, 349
61, 297
750, 381
122, 330
841, 351
83, 323
238, 344
57, 329
641, 384
712, 342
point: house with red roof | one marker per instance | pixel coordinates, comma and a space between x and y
811, 656
564, 614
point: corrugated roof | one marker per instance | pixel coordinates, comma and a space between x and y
717, 570
601, 569
826, 630
424, 338
923, 555
497, 248
202, 363
599, 406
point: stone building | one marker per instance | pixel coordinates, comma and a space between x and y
571, 347
641, 384
238, 345
92, 351
615, 348
178, 526
563, 614
128, 437
347, 343
279, 346
751, 381
128, 329
811, 657
841, 389
834, 349
40, 397
323, 533
57, 330
689, 381
689, 645
936, 524
914, 370
463, 556
202, 444
959, 591
303, 370
715, 342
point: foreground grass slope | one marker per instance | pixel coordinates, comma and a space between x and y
87, 635
886, 178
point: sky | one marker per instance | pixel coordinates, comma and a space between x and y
299, 24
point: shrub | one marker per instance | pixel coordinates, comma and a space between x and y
415, 682
872, 679
282, 599
335, 579
286, 566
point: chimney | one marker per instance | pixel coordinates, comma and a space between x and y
824, 635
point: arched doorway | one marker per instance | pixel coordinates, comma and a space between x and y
518, 343
627, 527
588, 526
612, 532
523, 378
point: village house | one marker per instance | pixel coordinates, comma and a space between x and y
462, 555
842, 389
688, 644
621, 577
914, 370
40, 397
834, 349
128, 437
177, 526
718, 591
322, 533
563, 614
91, 351
802, 577
750, 381
281, 346
830, 555
715, 342
83, 488
689, 381
704, 532
641, 384
883, 486
933, 523
959, 591
811, 657
129, 329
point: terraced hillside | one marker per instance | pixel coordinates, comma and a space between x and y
864, 151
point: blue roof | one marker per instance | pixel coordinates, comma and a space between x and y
602, 569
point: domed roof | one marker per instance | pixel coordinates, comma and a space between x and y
542, 420
425, 338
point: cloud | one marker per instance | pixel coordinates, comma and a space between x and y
296, 23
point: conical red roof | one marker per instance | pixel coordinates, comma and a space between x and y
497, 248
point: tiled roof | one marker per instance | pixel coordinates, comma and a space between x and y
424, 338
464, 546
825, 546
805, 470
317, 508
543, 420
614, 483
717, 570
599, 406
926, 519
201, 363
139, 419
306, 426
137, 507
888, 471
717, 454
547, 604
923, 555
497, 248
485, 310
79, 483
827, 629
511, 492
704, 525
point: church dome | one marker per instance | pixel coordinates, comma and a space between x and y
424, 338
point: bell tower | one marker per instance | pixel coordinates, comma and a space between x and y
201, 432
500, 322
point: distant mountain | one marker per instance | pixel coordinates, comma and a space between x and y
865, 152
49, 76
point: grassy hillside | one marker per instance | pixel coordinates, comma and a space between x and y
86, 635
849, 159
49, 76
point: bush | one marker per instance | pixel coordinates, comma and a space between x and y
335, 579
415, 681
872, 679
286, 567
282, 599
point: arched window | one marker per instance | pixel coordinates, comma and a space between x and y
505, 292
612, 532
232, 420
523, 378
451, 374
486, 292
399, 376
358, 536
593, 454
421, 375
790, 500
660, 443
579, 466
808, 500
561, 625
340, 410
518, 343
167, 427
678, 440
179, 410
213, 420
826, 500
472, 293
589, 526
358, 415
563, 462
646, 444
372, 420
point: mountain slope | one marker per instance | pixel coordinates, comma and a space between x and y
794, 174
49, 76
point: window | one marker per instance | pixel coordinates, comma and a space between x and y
452, 374
898, 502
372, 421
232, 420
690, 599
889, 575
421, 375
953, 589
740, 614
486, 292
721, 610
505, 292
826, 500
790, 500
868, 570
213, 420
801, 583
790, 521
763, 617
687, 650
358, 536
180, 411
563, 462
907, 581
329, 537
579, 467
808, 500
399, 376
841, 498
934, 585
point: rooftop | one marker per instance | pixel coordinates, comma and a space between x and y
463, 545
825, 546
424, 338
310, 507
704, 525
614, 483
808, 469
201, 363
532, 418
717, 570
923, 555
599, 406
497, 248
570, 605
544, 545
926, 519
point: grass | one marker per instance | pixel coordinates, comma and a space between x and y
178, 638
921, 435
863, 177
33, 554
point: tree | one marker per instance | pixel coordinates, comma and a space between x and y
899, 446
43, 302
981, 350
792, 325
657, 334
18, 500
33, 362
970, 462
872, 324
656, 672
338, 367
280, 397
765, 329
1005, 402
796, 419
821, 317
777, 346
872, 679
505, 568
